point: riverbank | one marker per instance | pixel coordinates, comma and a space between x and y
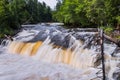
114, 34
9, 35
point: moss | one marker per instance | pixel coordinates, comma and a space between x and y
118, 37
107, 29
110, 32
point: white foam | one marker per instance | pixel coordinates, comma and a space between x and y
15, 67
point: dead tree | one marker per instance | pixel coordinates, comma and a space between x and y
102, 53
112, 40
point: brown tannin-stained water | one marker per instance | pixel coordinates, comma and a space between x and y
51, 52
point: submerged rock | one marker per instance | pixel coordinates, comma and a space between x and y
116, 75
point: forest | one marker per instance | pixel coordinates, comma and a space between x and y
14, 13
73, 13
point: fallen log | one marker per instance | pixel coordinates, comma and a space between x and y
112, 40
8, 37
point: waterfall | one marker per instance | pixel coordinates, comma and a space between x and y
56, 45
48, 52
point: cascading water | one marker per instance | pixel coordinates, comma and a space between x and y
72, 49
80, 58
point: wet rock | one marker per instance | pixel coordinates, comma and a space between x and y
1, 41
61, 36
116, 51
67, 41
78, 36
41, 36
98, 60
116, 75
58, 40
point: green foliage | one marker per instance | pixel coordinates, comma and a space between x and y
88, 12
13, 13
98, 11
118, 19
118, 37
108, 30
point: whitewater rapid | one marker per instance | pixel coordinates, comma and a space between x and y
15, 67
18, 64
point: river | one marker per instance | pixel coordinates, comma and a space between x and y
51, 52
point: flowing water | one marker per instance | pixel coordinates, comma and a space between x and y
51, 52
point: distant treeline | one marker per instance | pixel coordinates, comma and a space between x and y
88, 13
75, 13
13, 13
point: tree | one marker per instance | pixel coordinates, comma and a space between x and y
72, 12
116, 12
98, 11
88, 12
5, 18
14, 13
